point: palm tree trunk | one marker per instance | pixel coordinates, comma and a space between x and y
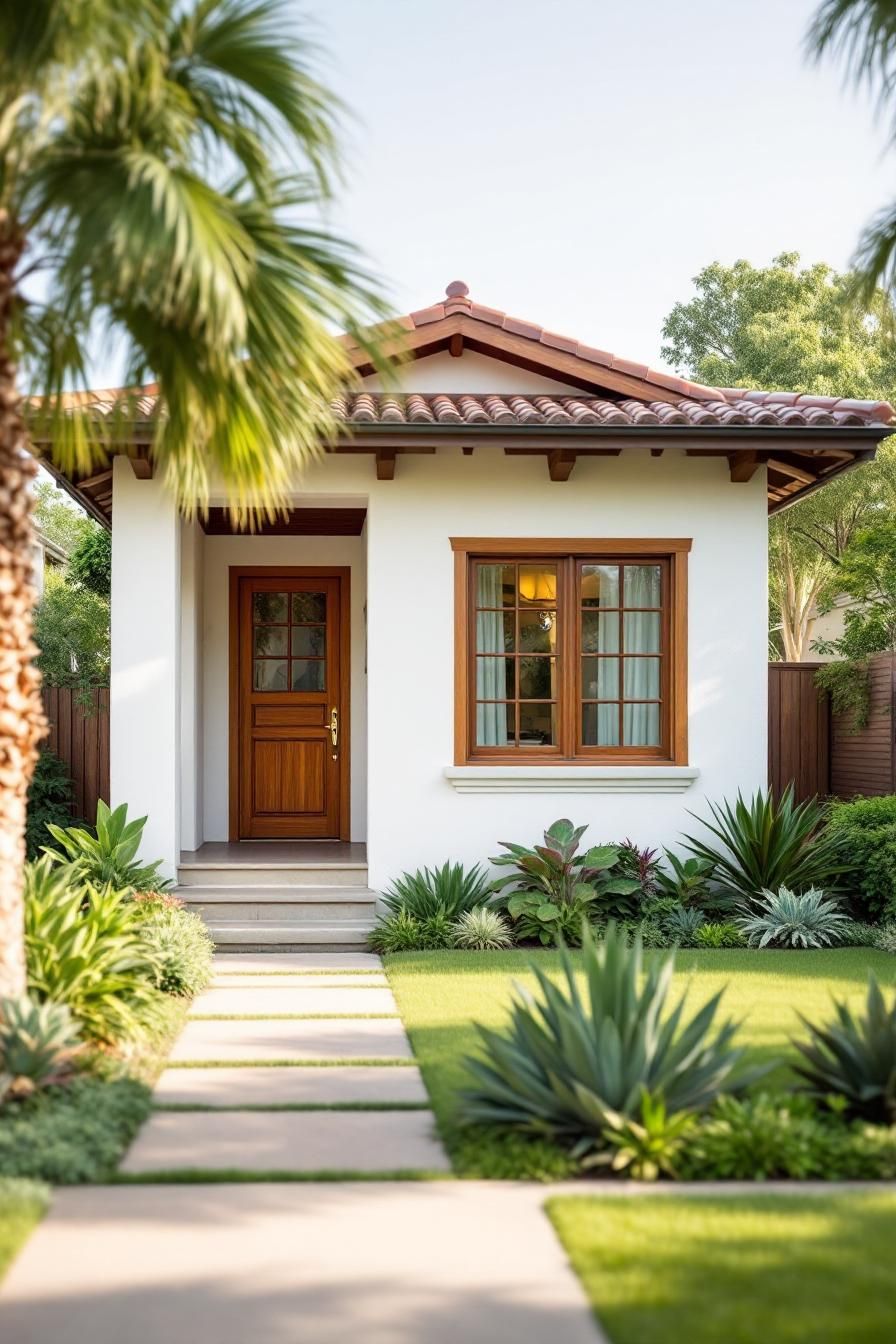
22, 721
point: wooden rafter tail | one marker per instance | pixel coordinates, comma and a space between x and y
743, 466
560, 464
385, 464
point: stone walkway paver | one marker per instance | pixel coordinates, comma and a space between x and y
278, 1039
384, 1263
279, 999
338, 1084
270, 963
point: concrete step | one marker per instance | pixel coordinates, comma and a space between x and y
284, 912
322, 935
317, 874
276, 896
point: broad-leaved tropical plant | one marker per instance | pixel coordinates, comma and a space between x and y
687, 881
854, 1057
577, 1054
108, 858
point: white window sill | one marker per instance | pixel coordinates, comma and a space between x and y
571, 778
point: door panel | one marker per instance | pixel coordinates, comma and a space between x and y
290, 672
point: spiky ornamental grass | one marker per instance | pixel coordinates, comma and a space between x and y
789, 919
571, 1063
481, 930
854, 1057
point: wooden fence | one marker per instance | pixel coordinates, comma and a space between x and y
820, 751
79, 735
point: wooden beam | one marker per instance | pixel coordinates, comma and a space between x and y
788, 469
468, 451
743, 466
385, 464
91, 482
456, 345
560, 464
657, 452
142, 468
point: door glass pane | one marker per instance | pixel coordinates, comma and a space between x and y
270, 674
642, 631
538, 631
269, 640
268, 607
495, 585
600, 678
600, 632
494, 679
307, 675
600, 585
643, 585
537, 678
641, 725
495, 631
641, 678
538, 585
309, 607
600, 725
309, 640
495, 726
537, 725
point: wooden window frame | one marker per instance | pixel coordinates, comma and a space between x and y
673, 551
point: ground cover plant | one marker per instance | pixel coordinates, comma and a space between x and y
441, 995
866, 832
783, 1268
22, 1205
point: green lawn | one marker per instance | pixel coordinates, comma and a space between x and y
22, 1204
442, 994
767, 1269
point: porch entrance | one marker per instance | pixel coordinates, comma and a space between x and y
289, 703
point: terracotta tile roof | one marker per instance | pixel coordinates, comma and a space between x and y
511, 410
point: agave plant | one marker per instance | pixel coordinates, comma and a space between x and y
37, 1044
789, 919
481, 930
573, 1058
855, 1057
552, 887
84, 948
449, 890
768, 843
109, 857
683, 924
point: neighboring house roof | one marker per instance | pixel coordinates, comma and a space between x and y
51, 548
803, 440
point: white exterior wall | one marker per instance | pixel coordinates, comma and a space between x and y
144, 719
219, 553
191, 665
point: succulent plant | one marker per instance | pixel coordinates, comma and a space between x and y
786, 918
37, 1044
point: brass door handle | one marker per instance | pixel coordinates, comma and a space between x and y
334, 731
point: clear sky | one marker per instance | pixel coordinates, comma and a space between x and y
578, 161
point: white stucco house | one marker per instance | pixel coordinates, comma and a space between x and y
529, 583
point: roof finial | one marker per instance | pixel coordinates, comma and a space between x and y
457, 290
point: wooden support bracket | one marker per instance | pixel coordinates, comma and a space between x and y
743, 466
142, 468
385, 464
456, 344
560, 463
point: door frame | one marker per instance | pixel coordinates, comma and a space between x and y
344, 575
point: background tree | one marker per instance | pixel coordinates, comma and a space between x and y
90, 563
158, 163
59, 518
71, 631
796, 328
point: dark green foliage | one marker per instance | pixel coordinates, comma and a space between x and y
71, 629
449, 890
74, 1134
768, 843
570, 1058
866, 833
49, 801
854, 1058
109, 854
848, 683
90, 563
723, 934
683, 924
553, 887
404, 932
687, 881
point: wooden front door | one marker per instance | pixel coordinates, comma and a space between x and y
291, 699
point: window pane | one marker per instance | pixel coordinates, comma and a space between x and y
495, 585
495, 631
537, 725
600, 678
494, 679
600, 585
538, 585
309, 640
600, 725
309, 607
269, 640
643, 585
538, 631
600, 632
268, 607
641, 678
641, 725
537, 678
308, 676
642, 631
270, 675
495, 726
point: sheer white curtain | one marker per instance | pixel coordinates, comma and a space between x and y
641, 676
491, 720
